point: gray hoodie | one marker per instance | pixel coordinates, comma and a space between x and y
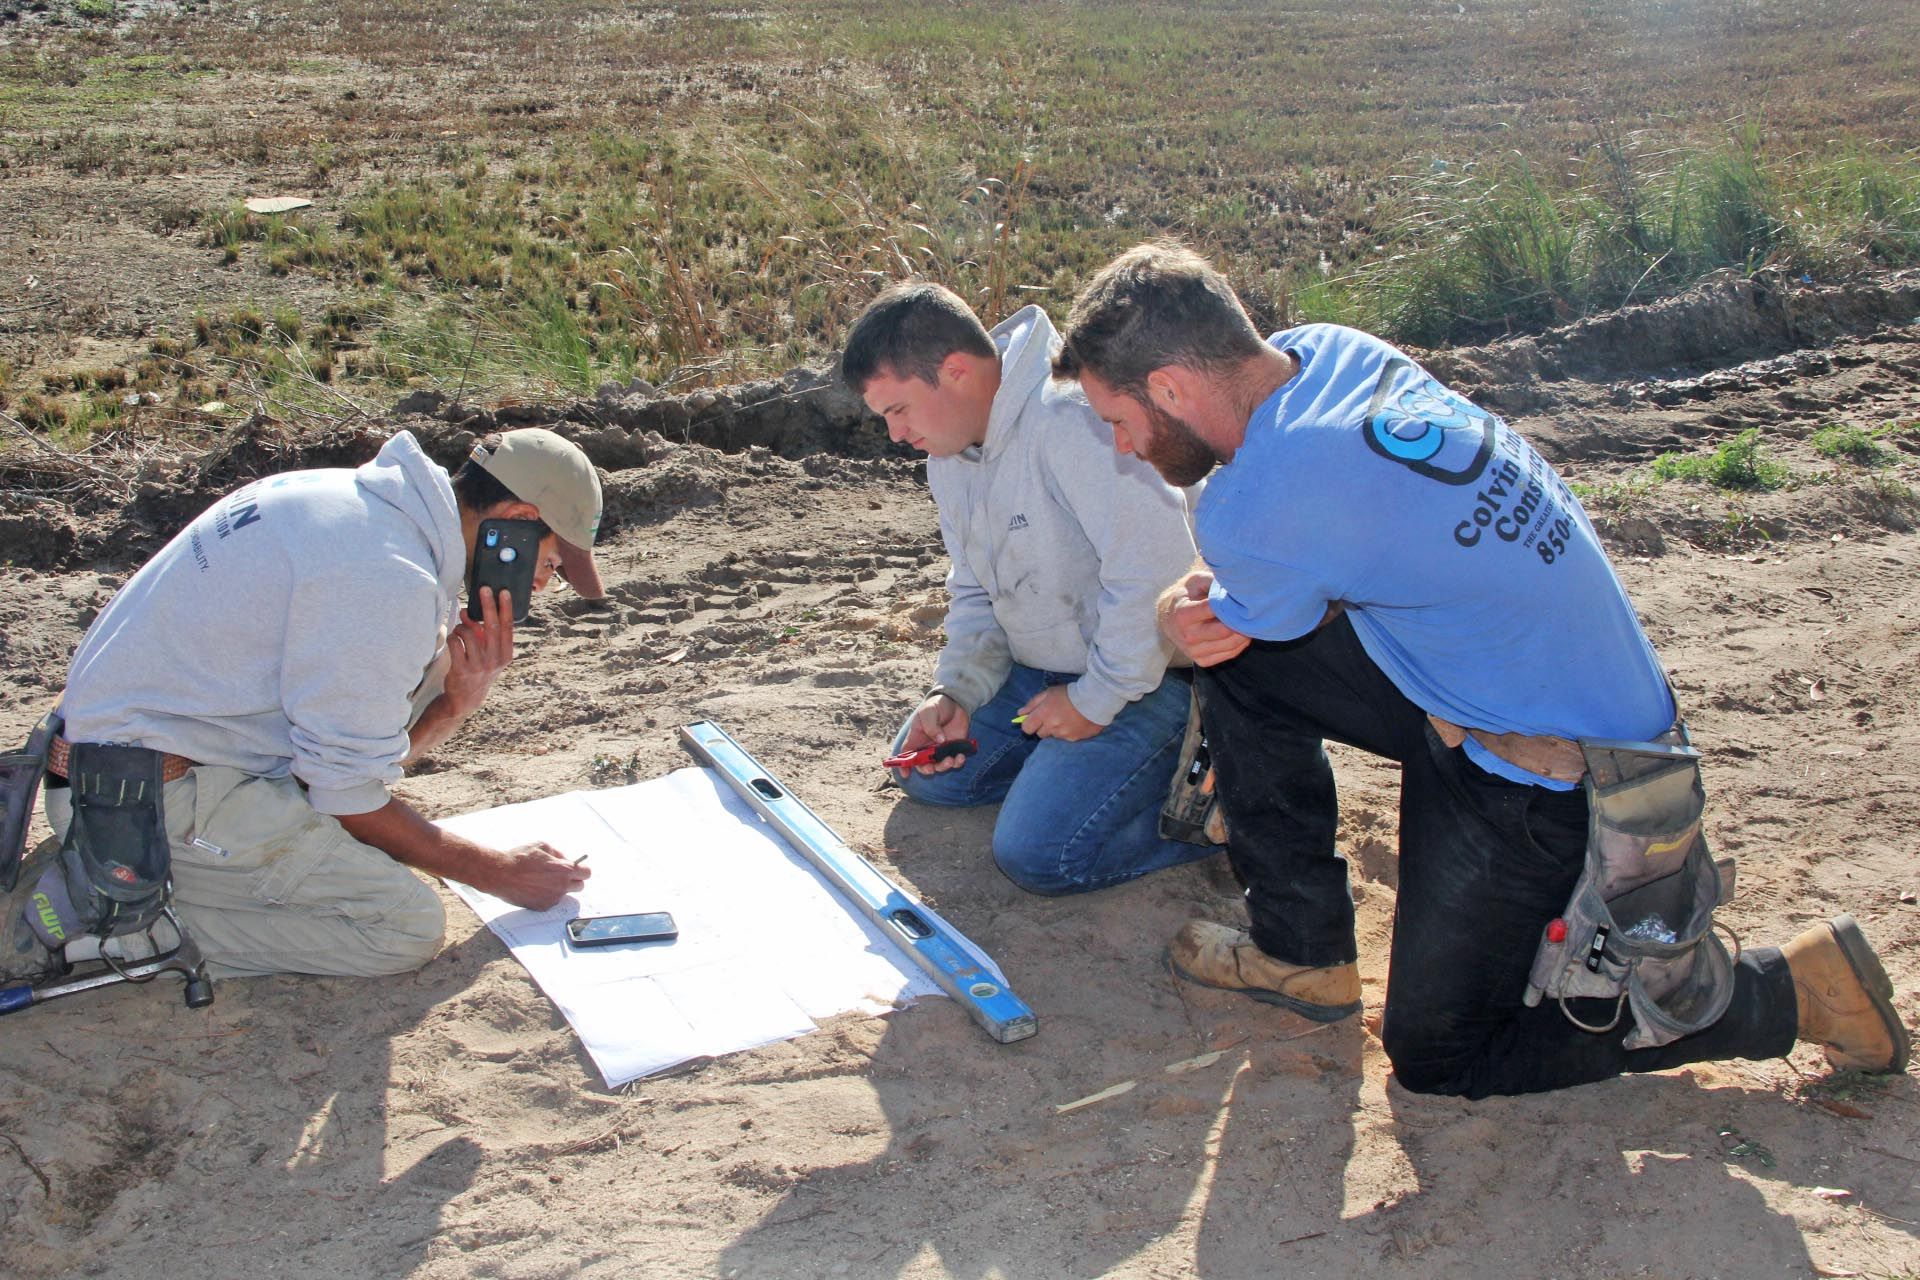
1060, 543
284, 630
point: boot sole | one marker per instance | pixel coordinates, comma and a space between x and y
1305, 1008
1873, 979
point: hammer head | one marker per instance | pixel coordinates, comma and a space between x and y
183, 958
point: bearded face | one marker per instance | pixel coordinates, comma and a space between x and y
1173, 448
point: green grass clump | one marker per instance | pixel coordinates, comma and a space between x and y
1619, 497
39, 413
1740, 463
1849, 444
286, 240
1857, 208
1864, 446
1490, 247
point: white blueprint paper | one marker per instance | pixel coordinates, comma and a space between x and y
766, 948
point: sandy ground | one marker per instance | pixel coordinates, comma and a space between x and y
447, 1123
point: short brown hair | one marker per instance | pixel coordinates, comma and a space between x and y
1155, 305
908, 330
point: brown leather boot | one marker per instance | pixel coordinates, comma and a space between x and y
1844, 998
1216, 956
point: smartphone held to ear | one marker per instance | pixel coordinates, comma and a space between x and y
505, 555
606, 931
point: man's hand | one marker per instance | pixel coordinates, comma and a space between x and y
534, 876
938, 719
478, 651
1050, 713
1187, 620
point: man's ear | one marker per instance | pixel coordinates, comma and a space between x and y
1167, 386
955, 369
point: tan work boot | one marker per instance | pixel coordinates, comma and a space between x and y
1844, 998
1216, 956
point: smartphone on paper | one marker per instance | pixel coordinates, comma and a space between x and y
505, 554
605, 931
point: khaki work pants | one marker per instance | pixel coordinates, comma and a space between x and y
267, 884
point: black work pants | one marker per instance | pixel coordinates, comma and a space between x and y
1485, 864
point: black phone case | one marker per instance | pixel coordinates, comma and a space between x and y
505, 555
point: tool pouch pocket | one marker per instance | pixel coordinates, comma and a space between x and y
115, 861
1639, 927
20, 774
1191, 812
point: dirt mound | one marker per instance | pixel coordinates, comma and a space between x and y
1609, 387
1712, 326
806, 410
677, 448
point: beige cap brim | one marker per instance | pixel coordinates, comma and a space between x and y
581, 573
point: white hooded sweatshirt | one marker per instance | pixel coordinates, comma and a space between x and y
1060, 543
285, 629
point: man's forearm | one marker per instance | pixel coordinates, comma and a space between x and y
398, 830
535, 876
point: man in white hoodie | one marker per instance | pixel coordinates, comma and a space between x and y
1053, 663
289, 651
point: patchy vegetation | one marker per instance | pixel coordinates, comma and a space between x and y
1740, 463
557, 196
1862, 446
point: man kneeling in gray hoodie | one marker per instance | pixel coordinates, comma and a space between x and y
1053, 663
289, 651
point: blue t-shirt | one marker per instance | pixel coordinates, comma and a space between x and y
1471, 574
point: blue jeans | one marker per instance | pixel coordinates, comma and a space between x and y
1074, 816
1484, 865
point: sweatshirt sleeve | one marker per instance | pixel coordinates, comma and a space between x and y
1138, 526
976, 659
347, 674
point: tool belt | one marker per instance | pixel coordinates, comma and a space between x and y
172, 767
1639, 927
1541, 754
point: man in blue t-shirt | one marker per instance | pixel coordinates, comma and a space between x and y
1385, 564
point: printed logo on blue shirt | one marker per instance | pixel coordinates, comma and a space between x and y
1018, 522
1422, 425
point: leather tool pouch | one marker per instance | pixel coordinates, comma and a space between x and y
1639, 927
20, 774
115, 859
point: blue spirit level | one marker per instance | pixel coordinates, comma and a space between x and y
962, 969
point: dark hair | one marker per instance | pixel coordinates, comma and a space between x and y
477, 489
907, 331
1155, 305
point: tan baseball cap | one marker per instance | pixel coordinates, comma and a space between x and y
552, 473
